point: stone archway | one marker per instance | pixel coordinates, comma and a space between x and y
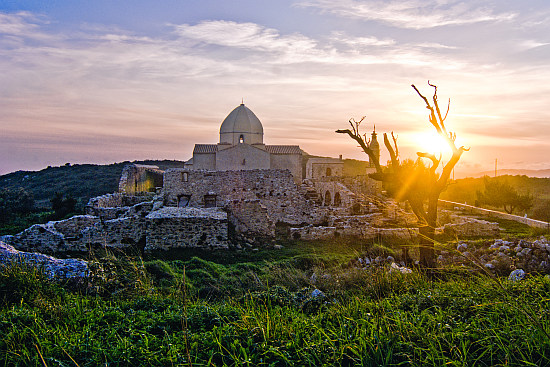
337, 201
328, 198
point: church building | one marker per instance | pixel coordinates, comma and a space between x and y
242, 147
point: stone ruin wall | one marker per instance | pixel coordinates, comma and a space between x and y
275, 189
334, 193
168, 228
112, 206
137, 178
363, 185
251, 218
178, 228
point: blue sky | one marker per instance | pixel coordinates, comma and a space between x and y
106, 81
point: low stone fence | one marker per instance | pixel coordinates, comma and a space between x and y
493, 213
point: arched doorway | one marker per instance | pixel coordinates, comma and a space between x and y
328, 200
337, 199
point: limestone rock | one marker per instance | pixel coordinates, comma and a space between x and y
516, 275
53, 267
462, 247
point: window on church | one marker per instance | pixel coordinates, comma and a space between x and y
244, 162
183, 201
241, 139
329, 172
185, 176
209, 201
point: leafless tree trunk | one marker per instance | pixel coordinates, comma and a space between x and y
423, 184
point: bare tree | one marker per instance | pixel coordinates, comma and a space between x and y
415, 182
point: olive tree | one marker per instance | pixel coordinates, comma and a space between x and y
418, 183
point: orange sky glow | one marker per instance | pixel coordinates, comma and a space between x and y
85, 85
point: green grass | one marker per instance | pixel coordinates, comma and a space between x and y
260, 313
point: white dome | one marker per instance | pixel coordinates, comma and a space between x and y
241, 126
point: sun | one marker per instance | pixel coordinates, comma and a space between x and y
431, 142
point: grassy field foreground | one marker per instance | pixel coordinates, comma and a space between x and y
263, 310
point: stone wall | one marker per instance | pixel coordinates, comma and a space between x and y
362, 184
275, 189
119, 233
242, 157
250, 218
177, 228
204, 161
167, 228
472, 228
111, 206
139, 178
118, 200
334, 193
364, 232
53, 236
322, 167
493, 213
292, 162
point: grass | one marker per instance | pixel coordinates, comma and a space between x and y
260, 312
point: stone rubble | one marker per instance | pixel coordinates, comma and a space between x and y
501, 256
53, 267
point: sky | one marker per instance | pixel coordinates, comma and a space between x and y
107, 81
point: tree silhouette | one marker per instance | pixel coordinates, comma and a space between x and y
15, 202
62, 206
415, 182
500, 193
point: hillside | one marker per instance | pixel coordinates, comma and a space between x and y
81, 181
540, 173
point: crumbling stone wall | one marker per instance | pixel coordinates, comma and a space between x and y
140, 178
362, 184
177, 228
250, 218
119, 233
368, 233
334, 193
118, 200
112, 206
275, 189
167, 228
51, 237
472, 228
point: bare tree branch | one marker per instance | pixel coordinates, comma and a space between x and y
393, 155
435, 161
359, 139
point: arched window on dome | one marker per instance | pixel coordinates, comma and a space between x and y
241, 139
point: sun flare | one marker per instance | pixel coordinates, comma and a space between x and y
431, 142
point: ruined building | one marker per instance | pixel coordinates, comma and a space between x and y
231, 194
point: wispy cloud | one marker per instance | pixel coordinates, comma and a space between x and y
114, 86
414, 14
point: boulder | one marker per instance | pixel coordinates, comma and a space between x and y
53, 267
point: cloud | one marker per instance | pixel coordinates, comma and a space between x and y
530, 44
113, 86
413, 14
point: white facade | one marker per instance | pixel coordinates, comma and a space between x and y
241, 147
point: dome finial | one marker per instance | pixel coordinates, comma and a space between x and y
242, 101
